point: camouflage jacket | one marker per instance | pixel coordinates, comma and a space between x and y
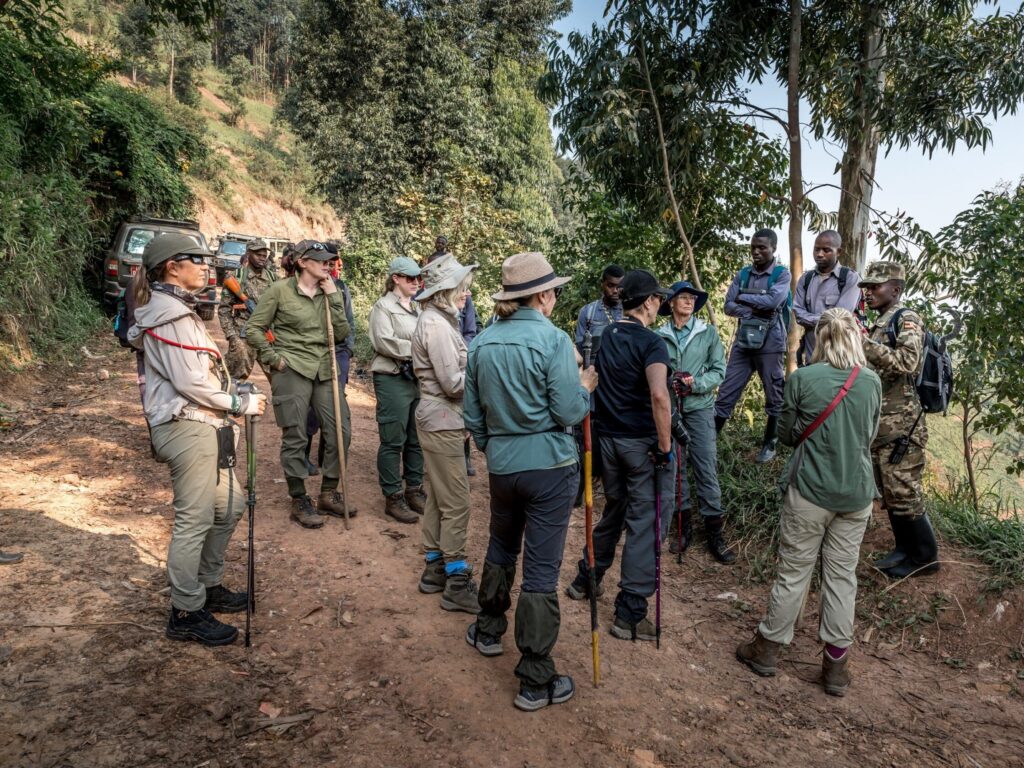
232, 320
897, 368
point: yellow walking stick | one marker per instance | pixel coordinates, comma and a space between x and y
588, 502
336, 395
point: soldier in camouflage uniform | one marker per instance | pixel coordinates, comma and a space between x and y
257, 274
897, 363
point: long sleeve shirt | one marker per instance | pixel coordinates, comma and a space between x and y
897, 368
468, 321
391, 329
771, 299
300, 328
439, 361
823, 293
522, 389
595, 317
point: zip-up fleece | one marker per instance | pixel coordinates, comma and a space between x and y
703, 357
176, 377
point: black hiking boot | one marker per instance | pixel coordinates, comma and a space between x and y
770, 443
713, 531
558, 691
433, 578
220, 599
396, 507
305, 514
579, 589
200, 626
487, 645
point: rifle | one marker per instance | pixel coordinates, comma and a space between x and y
231, 283
588, 501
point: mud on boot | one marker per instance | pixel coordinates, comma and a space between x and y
333, 503
433, 578
220, 599
200, 626
460, 592
759, 654
396, 507
305, 514
558, 691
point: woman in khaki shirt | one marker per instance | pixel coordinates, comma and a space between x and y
439, 360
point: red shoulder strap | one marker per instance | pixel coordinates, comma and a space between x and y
214, 352
843, 390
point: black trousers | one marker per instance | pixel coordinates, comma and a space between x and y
532, 507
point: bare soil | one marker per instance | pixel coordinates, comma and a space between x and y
362, 670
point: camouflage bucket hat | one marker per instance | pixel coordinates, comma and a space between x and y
879, 272
167, 246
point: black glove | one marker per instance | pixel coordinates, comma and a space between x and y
662, 459
679, 385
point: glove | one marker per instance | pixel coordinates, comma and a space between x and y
662, 459
249, 405
679, 385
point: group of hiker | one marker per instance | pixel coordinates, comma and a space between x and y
654, 399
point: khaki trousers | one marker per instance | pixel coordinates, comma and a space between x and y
808, 529
207, 505
446, 517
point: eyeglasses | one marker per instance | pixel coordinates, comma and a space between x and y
193, 257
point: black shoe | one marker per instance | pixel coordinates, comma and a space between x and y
220, 599
679, 542
487, 645
770, 443
200, 626
713, 529
898, 553
580, 589
921, 547
558, 691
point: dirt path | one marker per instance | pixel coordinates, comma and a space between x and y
382, 674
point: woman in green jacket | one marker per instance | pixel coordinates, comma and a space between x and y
699, 360
830, 487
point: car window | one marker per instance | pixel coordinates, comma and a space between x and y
232, 248
137, 241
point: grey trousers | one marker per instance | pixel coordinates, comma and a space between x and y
629, 492
207, 506
806, 530
742, 365
702, 455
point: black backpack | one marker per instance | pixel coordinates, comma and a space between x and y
122, 322
934, 382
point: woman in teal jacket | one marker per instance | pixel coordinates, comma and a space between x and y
699, 359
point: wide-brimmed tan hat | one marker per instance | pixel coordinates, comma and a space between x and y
526, 274
442, 275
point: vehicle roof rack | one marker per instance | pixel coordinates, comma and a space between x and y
156, 220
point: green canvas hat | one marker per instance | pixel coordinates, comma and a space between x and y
167, 246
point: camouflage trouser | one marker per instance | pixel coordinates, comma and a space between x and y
240, 358
900, 484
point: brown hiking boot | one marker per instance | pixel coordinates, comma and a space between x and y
434, 578
835, 675
460, 593
759, 654
416, 499
305, 514
333, 503
395, 506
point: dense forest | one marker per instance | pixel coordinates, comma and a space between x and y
636, 142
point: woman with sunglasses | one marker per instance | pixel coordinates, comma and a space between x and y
392, 323
300, 360
187, 400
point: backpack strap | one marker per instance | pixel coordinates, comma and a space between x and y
890, 329
807, 284
779, 269
745, 278
843, 391
844, 272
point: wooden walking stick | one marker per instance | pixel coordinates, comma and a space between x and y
588, 501
336, 395
250, 484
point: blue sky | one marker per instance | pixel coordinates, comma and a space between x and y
932, 190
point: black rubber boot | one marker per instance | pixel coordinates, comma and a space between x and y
898, 553
713, 530
720, 422
921, 547
770, 442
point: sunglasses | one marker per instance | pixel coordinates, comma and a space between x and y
193, 257
558, 291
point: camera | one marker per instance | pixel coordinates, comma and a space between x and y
679, 433
406, 372
246, 388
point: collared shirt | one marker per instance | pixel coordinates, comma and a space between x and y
253, 285
595, 317
299, 323
773, 299
823, 293
439, 361
522, 387
391, 329
897, 367
682, 334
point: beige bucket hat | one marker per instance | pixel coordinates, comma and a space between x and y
442, 274
526, 274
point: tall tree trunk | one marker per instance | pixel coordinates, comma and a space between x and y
968, 443
667, 176
796, 183
170, 76
857, 177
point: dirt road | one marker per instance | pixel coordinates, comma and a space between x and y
363, 670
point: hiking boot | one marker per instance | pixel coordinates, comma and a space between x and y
558, 691
767, 452
835, 674
305, 514
416, 499
220, 599
487, 645
713, 529
759, 654
311, 469
395, 506
433, 578
642, 630
200, 626
333, 503
579, 589
10, 558
460, 593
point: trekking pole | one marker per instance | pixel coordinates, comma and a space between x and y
250, 484
588, 506
657, 557
336, 395
679, 505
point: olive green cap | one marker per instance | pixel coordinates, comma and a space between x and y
313, 249
257, 245
879, 272
167, 246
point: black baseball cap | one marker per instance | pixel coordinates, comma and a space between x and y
638, 285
